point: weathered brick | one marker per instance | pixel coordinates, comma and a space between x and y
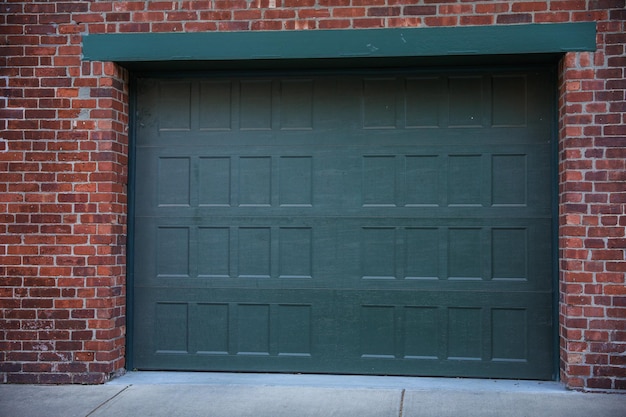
420, 10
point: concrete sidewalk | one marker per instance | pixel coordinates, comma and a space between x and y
171, 394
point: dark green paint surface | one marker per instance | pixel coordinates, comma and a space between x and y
374, 223
323, 44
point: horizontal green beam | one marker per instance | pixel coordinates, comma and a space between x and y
371, 43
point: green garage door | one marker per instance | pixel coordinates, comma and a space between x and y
371, 223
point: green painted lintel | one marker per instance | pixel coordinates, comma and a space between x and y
369, 43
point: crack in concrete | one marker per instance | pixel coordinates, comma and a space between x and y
108, 401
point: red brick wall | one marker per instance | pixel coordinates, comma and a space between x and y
63, 170
592, 187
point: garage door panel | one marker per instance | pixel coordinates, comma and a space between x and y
424, 106
255, 105
174, 109
379, 97
214, 105
295, 252
422, 336
466, 101
379, 181
296, 104
295, 182
334, 252
219, 322
509, 179
499, 103
390, 223
446, 328
215, 183
227, 253
464, 180
282, 179
174, 182
173, 252
508, 89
